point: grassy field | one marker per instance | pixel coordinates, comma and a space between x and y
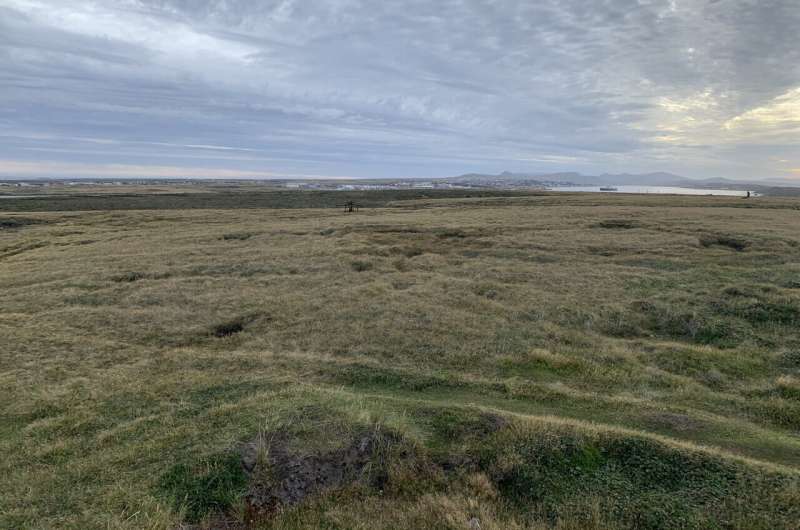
112, 198
563, 361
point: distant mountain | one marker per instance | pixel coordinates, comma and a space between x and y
572, 178
518, 179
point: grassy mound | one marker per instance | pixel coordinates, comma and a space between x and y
475, 465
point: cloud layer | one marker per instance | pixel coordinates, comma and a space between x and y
399, 88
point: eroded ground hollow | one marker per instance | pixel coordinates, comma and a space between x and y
281, 476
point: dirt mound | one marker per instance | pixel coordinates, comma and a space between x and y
281, 478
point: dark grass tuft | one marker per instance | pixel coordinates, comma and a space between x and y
647, 318
226, 329
135, 276
452, 233
361, 266
412, 252
723, 240
10, 223
618, 224
129, 277
790, 359
766, 312
237, 236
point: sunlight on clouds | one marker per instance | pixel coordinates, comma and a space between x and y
668, 138
701, 118
701, 101
679, 120
782, 112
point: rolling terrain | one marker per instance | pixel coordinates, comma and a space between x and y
234, 360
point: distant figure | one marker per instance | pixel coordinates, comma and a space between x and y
350, 207
748, 195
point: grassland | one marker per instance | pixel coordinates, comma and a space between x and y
534, 361
241, 196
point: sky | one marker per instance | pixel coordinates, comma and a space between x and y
412, 88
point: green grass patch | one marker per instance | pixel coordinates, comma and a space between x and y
209, 486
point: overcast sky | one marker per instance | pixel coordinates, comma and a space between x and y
367, 88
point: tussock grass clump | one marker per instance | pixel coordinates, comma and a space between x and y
231, 327
558, 471
790, 359
135, 276
723, 240
667, 320
761, 310
740, 314
706, 365
451, 233
412, 252
361, 265
540, 362
237, 236
618, 224
129, 277
402, 265
489, 291
401, 284
9, 223
208, 486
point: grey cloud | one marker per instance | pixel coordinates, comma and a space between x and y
355, 87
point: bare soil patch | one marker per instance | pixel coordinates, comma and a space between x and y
280, 477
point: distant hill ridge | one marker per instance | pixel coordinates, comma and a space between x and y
658, 178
